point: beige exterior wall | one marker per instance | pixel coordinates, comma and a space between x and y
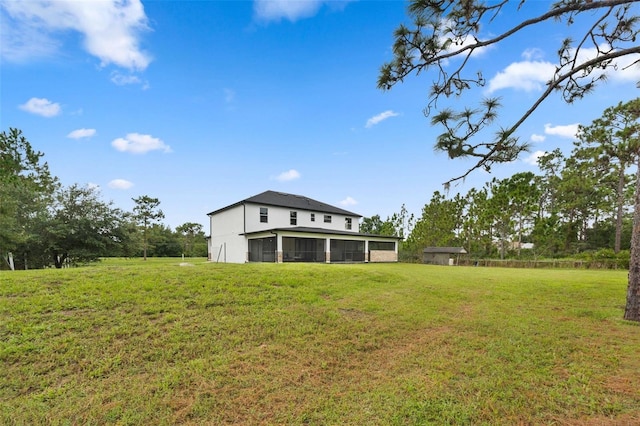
383, 256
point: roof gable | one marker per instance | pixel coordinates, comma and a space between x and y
292, 201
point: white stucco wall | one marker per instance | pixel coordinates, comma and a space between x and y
279, 217
227, 243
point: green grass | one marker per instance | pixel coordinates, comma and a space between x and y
132, 342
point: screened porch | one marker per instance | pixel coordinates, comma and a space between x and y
303, 249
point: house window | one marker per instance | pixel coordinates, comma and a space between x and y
347, 223
327, 218
264, 215
313, 217
293, 218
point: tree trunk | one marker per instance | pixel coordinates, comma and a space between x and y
144, 242
632, 309
520, 226
620, 209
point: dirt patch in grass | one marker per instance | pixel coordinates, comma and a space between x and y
621, 420
279, 383
623, 385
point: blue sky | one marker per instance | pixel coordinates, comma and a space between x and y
204, 103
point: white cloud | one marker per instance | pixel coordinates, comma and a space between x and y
120, 184
139, 144
274, 10
526, 75
531, 74
81, 133
624, 71
627, 70
110, 29
93, 186
20, 42
348, 202
41, 106
537, 138
533, 157
229, 95
532, 54
289, 175
120, 79
568, 131
380, 117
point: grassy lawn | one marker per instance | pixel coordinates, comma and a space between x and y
129, 342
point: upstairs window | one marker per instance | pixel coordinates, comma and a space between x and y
264, 215
327, 218
313, 217
293, 218
347, 223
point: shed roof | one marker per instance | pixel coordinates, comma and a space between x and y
292, 201
449, 250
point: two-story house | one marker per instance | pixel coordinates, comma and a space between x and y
279, 227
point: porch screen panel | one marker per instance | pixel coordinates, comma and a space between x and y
262, 250
303, 249
347, 251
382, 245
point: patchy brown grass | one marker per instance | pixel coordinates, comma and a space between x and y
316, 344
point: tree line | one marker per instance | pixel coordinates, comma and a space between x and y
579, 204
441, 40
43, 223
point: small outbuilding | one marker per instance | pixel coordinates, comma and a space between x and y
442, 255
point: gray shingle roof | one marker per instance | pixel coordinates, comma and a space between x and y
292, 201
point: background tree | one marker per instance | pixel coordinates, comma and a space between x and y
402, 223
477, 223
440, 224
546, 229
189, 232
598, 184
82, 228
146, 212
524, 198
513, 203
577, 195
612, 142
163, 242
26, 189
499, 207
392, 226
374, 225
